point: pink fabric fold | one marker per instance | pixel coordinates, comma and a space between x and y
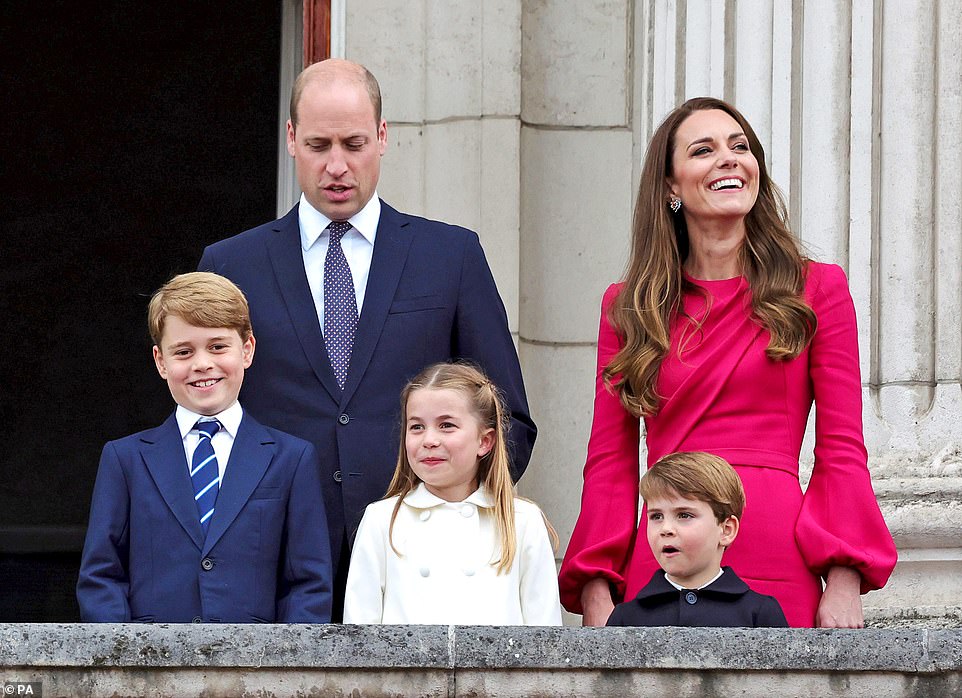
724, 396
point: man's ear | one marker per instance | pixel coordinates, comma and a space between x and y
729, 530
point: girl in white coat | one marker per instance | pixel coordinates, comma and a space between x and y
451, 543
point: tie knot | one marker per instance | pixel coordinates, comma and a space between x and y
338, 228
207, 427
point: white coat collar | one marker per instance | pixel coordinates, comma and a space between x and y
420, 498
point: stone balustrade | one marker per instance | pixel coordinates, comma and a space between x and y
79, 660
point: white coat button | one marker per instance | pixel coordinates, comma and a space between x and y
467, 510
425, 515
468, 571
425, 572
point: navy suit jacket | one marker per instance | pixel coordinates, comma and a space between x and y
265, 557
430, 297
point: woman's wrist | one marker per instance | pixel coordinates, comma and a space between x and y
596, 590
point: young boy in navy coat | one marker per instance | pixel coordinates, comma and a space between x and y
694, 501
210, 517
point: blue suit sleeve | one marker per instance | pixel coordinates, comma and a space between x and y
304, 590
484, 338
104, 582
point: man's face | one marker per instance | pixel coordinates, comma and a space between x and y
337, 147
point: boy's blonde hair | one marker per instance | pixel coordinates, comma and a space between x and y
696, 475
494, 473
201, 299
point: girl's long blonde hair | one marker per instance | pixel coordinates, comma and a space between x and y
651, 295
494, 472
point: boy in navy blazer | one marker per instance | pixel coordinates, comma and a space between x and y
210, 517
693, 502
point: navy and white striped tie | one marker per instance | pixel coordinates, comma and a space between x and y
204, 473
340, 304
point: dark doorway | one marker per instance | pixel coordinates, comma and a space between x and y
133, 135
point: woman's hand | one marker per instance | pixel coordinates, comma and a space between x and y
841, 604
596, 602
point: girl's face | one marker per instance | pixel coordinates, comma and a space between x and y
444, 440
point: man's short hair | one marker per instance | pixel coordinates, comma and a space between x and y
696, 475
201, 299
362, 74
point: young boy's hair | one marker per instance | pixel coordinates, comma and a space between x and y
696, 475
201, 299
494, 473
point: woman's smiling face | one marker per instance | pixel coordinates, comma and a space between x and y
714, 172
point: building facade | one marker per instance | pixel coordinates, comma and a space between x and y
527, 120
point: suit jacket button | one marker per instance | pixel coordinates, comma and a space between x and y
197, 619
207, 564
344, 419
691, 597
337, 476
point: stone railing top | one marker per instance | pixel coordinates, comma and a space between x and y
491, 648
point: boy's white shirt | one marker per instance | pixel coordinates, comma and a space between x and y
444, 575
222, 441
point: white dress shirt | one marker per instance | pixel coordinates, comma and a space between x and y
222, 441
444, 574
357, 243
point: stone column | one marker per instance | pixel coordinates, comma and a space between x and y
577, 162
450, 82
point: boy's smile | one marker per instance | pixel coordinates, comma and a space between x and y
687, 539
203, 366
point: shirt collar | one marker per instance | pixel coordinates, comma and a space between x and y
679, 587
420, 498
229, 419
313, 223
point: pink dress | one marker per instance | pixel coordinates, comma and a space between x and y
726, 397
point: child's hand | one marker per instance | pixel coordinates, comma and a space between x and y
596, 602
841, 604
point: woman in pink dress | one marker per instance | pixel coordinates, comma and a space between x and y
720, 337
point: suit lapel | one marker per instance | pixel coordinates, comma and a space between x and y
250, 457
288, 262
163, 452
390, 252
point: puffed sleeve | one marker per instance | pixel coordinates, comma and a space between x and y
364, 595
603, 536
840, 523
539, 584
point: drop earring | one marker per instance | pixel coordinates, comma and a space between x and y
674, 203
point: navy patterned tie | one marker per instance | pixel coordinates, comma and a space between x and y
204, 474
340, 304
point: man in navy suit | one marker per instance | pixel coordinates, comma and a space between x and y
422, 289
210, 517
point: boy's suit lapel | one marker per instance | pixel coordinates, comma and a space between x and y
390, 251
250, 456
288, 262
163, 453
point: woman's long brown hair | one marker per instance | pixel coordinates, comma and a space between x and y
653, 285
